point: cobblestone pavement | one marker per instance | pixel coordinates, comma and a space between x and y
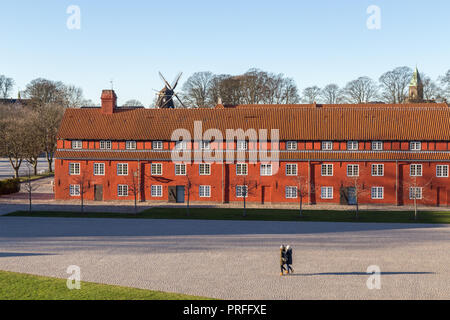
235, 259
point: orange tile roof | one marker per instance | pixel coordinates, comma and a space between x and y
303, 122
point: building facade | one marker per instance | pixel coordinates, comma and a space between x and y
369, 153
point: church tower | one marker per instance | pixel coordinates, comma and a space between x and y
416, 88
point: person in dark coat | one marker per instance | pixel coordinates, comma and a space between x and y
282, 259
289, 259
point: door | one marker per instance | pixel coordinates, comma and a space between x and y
180, 194
172, 194
265, 194
98, 192
351, 194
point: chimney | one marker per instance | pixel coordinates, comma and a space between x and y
109, 101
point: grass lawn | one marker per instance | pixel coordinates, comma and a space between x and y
260, 214
33, 178
18, 286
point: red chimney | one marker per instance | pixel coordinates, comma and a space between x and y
109, 101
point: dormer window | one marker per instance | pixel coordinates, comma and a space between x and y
157, 145
327, 145
105, 145
291, 145
415, 146
130, 145
77, 144
352, 145
205, 145
180, 145
242, 145
377, 145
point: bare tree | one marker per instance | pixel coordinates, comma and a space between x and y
29, 187
33, 144
394, 84
330, 94
72, 96
431, 91
197, 89
248, 187
445, 82
6, 85
85, 185
13, 136
416, 190
361, 90
134, 187
133, 103
311, 94
302, 190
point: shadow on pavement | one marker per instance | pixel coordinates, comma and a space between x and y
19, 254
356, 273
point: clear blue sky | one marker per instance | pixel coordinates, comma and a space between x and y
314, 42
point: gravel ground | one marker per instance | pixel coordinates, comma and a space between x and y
235, 259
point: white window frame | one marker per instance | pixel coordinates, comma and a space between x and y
180, 169
156, 169
74, 190
291, 192
416, 192
375, 193
289, 169
375, 172
130, 145
157, 145
77, 144
122, 169
265, 169
105, 144
442, 171
327, 145
240, 190
204, 191
181, 145
415, 146
205, 145
122, 190
99, 169
351, 170
415, 170
240, 167
291, 145
74, 168
352, 144
377, 145
324, 170
156, 191
326, 193
242, 145
204, 169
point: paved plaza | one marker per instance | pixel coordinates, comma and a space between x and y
235, 259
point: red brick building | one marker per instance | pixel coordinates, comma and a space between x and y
375, 153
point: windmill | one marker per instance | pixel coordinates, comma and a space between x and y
165, 95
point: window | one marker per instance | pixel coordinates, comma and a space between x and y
204, 191
122, 190
122, 169
74, 190
156, 169
291, 169
156, 191
327, 170
352, 170
205, 145
157, 145
415, 193
242, 145
327, 145
291, 192
241, 169
352, 145
241, 191
442, 171
74, 169
415, 170
266, 169
291, 145
326, 192
377, 145
377, 192
204, 169
180, 169
378, 170
105, 145
99, 169
130, 145
415, 146
181, 145
77, 144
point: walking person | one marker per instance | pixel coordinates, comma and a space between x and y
289, 259
282, 259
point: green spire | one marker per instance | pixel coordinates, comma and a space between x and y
416, 80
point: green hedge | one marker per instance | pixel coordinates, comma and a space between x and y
9, 186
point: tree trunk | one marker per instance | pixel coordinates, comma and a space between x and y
35, 165
135, 203
415, 208
50, 161
29, 197
245, 211
301, 205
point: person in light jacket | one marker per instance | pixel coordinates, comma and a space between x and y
282, 259
289, 259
